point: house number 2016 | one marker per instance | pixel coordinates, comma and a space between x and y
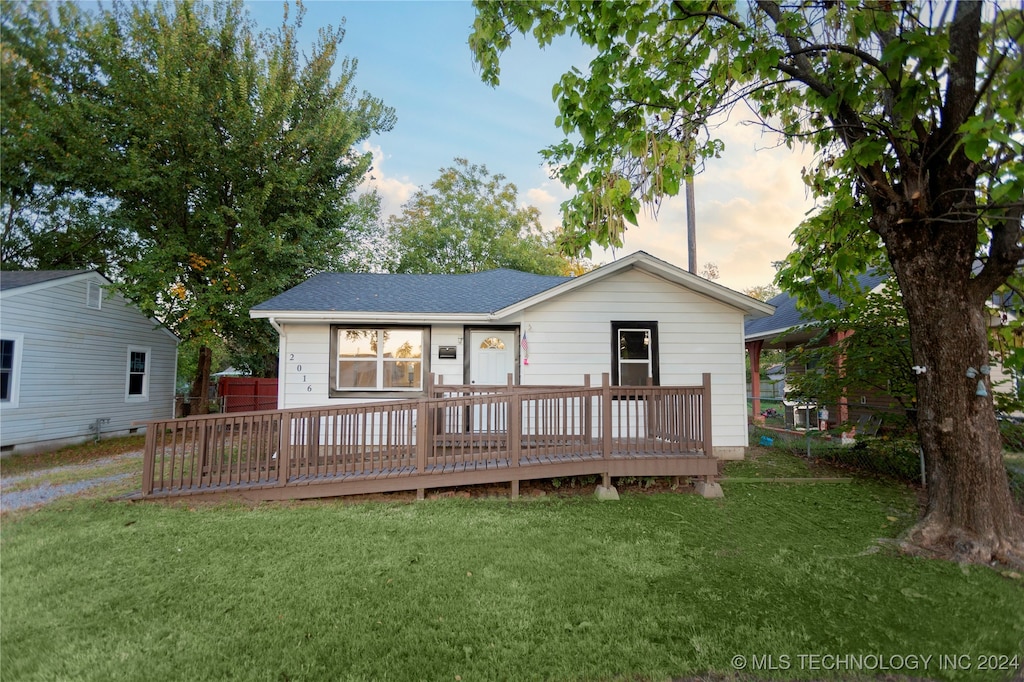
298, 370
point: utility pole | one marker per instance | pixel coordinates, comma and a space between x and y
691, 225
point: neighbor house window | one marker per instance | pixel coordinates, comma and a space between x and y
10, 368
138, 374
635, 353
374, 359
93, 295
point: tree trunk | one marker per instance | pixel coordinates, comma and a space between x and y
200, 395
970, 514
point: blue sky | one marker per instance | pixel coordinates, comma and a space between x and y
414, 56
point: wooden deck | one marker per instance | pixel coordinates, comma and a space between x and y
460, 435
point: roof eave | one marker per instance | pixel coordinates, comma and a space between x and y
56, 281
363, 317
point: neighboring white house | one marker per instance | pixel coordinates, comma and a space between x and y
77, 361
356, 337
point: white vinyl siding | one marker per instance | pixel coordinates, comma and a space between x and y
73, 363
570, 336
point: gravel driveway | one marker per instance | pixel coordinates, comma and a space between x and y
46, 492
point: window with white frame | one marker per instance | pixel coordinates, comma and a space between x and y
93, 295
137, 386
10, 369
635, 353
378, 359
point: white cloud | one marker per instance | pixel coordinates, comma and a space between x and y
393, 191
749, 201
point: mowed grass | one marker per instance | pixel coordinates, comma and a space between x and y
650, 587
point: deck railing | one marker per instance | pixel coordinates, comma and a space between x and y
453, 429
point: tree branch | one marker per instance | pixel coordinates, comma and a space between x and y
961, 92
1005, 253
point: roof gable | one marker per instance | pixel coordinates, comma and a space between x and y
645, 262
18, 282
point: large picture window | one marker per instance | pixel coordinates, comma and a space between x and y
635, 353
386, 360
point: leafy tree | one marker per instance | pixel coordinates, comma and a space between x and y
229, 158
468, 221
763, 292
870, 354
913, 109
47, 222
710, 271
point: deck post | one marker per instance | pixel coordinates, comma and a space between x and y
423, 431
588, 412
284, 449
515, 434
705, 404
149, 458
606, 418
313, 445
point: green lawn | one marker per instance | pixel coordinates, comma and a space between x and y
650, 587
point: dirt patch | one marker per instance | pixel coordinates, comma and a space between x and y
41, 486
576, 486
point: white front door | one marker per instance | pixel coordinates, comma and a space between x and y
492, 356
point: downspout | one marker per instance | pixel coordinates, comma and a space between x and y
754, 353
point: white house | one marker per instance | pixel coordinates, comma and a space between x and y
356, 337
77, 361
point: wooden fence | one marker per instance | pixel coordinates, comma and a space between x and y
457, 435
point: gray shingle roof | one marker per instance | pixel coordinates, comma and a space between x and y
787, 315
474, 293
13, 279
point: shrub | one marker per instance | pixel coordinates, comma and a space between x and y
1013, 435
894, 457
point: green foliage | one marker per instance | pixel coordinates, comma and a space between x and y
863, 348
763, 292
1013, 435
47, 221
468, 221
861, 84
226, 158
898, 457
913, 112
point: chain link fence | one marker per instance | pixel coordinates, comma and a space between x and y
895, 455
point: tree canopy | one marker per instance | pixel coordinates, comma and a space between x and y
223, 158
913, 110
470, 220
